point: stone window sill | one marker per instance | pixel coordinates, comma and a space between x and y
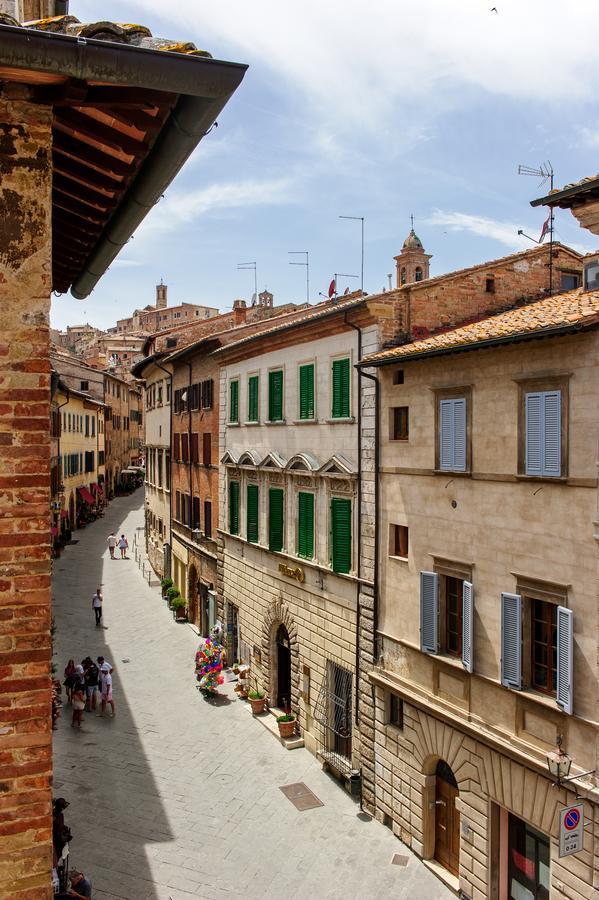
550, 479
305, 422
403, 559
276, 422
342, 420
251, 422
453, 473
232, 424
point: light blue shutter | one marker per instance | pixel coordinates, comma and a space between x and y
511, 640
534, 426
553, 433
565, 655
459, 431
468, 626
429, 611
446, 434
452, 435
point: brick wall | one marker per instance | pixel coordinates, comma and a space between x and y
25, 654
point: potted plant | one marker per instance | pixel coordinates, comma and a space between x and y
171, 593
178, 606
165, 584
257, 702
286, 725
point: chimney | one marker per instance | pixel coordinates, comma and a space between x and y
161, 290
239, 312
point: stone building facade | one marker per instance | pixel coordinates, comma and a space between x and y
483, 646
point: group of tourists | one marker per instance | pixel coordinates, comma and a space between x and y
84, 682
121, 543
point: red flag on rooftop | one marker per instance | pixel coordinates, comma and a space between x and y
545, 228
332, 288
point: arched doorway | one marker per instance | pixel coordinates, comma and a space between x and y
447, 819
192, 595
283, 663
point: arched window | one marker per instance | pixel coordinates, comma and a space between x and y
402, 275
418, 274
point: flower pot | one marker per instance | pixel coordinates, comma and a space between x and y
258, 705
180, 613
286, 729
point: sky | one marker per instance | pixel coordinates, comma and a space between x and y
381, 111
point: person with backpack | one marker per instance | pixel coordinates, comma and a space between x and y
92, 678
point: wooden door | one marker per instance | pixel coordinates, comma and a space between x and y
447, 826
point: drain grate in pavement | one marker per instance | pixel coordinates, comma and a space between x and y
399, 860
301, 796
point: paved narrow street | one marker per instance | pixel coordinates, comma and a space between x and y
180, 798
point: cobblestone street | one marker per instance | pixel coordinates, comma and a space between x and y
180, 798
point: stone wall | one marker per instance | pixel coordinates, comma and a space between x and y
25, 599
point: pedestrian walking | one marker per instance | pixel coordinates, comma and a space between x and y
104, 665
112, 541
78, 699
106, 696
92, 678
80, 886
70, 679
97, 601
123, 546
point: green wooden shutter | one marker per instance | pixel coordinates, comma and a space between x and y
253, 398
341, 389
305, 528
252, 513
275, 396
275, 519
341, 535
234, 507
234, 401
306, 391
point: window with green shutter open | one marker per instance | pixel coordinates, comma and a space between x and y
275, 519
253, 386
252, 513
306, 391
234, 507
341, 535
305, 526
341, 389
275, 396
234, 401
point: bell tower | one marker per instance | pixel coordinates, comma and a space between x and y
412, 264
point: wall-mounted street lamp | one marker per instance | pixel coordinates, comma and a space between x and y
559, 764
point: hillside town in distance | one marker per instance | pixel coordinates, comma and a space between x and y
350, 646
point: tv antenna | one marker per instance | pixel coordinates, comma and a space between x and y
306, 264
545, 173
361, 220
251, 266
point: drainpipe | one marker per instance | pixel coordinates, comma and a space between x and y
170, 478
359, 548
190, 453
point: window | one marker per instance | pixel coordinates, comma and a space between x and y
207, 448
208, 518
159, 456
453, 434
85, 384
394, 710
178, 506
252, 530
234, 401
176, 447
543, 433
490, 284
399, 423
167, 470
305, 529
194, 396
206, 393
253, 398
93, 426
234, 507
185, 448
195, 520
306, 391
275, 396
418, 275
168, 392
403, 275
341, 535
398, 541
529, 857
341, 389
195, 448
543, 646
398, 376
275, 519
447, 612
568, 281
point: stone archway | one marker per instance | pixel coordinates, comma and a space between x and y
276, 615
192, 595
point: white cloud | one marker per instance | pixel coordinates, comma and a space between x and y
389, 62
504, 232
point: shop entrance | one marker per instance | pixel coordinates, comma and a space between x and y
193, 595
283, 649
447, 819
528, 861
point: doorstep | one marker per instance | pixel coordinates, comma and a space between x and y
451, 881
269, 721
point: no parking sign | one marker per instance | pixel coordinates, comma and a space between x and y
571, 829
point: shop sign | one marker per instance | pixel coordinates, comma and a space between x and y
292, 572
571, 829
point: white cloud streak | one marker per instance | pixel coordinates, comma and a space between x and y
505, 233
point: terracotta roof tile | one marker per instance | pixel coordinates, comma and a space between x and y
561, 310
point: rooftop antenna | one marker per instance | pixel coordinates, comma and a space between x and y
339, 275
361, 220
545, 173
306, 264
251, 266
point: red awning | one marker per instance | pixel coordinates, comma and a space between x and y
96, 488
85, 494
64, 514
